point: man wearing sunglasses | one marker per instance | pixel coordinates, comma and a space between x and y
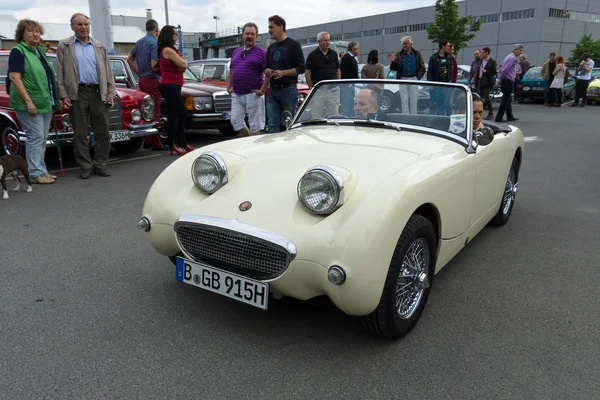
247, 85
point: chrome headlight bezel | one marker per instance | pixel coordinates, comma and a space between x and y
328, 176
203, 103
219, 172
66, 121
147, 108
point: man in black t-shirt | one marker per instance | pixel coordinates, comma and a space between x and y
440, 70
285, 61
322, 64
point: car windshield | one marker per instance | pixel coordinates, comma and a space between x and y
4, 65
533, 73
442, 107
189, 76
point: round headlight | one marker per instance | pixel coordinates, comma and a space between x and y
209, 172
321, 190
136, 115
526, 88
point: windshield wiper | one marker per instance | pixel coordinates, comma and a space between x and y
374, 122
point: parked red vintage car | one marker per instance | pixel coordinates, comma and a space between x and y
130, 119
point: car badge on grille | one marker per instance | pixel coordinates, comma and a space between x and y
245, 206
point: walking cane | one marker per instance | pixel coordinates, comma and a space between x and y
62, 171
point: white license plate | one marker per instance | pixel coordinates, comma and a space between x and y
226, 115
234, 286
119, 136
539, 88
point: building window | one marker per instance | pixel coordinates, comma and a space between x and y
486, 19
395, 30
574, 15
352, 35
418, 27
516, 15
372, 32
335, 37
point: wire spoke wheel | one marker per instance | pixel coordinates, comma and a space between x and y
413, 278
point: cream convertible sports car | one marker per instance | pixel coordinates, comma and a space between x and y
362, 208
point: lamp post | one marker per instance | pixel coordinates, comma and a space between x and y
216, 24
167, 12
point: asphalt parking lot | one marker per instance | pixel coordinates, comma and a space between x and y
89, 310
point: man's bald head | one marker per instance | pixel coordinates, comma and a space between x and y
366, 102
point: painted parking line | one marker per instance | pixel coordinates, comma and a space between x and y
110, 162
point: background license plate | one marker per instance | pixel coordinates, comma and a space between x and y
237, 287
539, 88
226, 115
119, 136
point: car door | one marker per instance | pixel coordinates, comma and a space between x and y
491, 164
119, 70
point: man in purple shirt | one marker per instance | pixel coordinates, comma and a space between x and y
506, 77
246, 83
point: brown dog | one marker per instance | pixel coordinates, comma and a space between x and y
12, 165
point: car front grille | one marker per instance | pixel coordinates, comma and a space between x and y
233, 250
222, 102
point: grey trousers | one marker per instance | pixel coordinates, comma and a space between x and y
89, 108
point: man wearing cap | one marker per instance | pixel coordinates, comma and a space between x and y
506, 77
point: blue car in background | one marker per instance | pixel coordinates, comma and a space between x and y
533, 85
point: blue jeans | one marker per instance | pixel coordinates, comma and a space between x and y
438, 101
36, 132
279, 101
347, 100
547, 92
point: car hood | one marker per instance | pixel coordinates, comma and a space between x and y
369, 155
191, 88
594, 83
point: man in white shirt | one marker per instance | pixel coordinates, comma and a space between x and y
584, 76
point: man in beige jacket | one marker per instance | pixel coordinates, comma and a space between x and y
87, 87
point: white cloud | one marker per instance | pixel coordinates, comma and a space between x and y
197, 15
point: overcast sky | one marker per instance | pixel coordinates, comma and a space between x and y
197, 15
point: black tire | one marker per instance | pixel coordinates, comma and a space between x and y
387, 102
512, 183
8, 133
130, 146
385, 320
228, 131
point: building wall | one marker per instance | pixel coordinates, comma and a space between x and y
123, 48
506, 22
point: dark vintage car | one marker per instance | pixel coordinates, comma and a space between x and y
207, 106
130, 119
215, 70
533, 86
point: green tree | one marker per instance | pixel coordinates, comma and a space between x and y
586, 45
448, 25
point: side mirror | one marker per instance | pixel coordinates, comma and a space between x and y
484, 136
286, 116
122, 79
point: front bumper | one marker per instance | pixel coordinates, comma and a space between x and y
305, 275
65, 137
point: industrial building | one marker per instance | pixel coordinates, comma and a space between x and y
542, 26
126, 31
